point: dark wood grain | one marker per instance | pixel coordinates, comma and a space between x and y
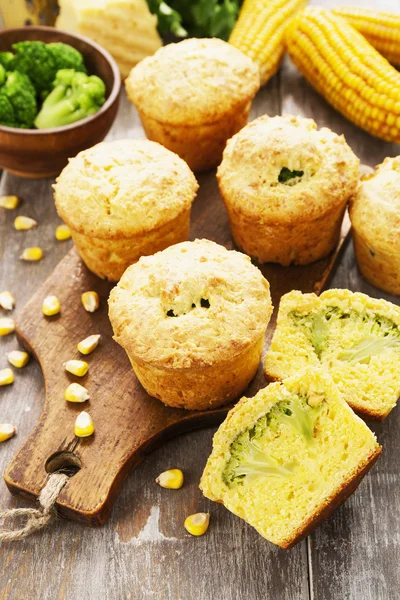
143, 552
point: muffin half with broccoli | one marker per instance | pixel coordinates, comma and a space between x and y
355, 337
285, 459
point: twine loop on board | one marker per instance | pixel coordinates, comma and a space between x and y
37, 518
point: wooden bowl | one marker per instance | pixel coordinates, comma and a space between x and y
41, 153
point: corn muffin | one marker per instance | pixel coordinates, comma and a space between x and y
375, 218
355, 337
285, 459
285, 185
122, 200
192, 320
193, 96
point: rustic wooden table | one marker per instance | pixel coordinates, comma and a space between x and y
143, 551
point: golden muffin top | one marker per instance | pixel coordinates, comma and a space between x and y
282, 168
123, 188
375, 208
192, 305
193, 82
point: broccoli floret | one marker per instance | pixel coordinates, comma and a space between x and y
35, 60
288, 176
367, 347
2, 75
66, 57
74, 97
18, 92
248, 459
6, 59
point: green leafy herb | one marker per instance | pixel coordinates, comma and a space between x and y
201, 18
286, 175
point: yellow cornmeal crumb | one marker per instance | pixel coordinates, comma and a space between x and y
355, 337
292, 466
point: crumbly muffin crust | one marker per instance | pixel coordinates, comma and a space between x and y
375, 207
195, 304
123, 188
193, 82
254, 158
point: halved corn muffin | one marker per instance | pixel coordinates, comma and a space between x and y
285, 459
355, 337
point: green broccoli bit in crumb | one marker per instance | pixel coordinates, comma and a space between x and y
66, 57
18, 105
286, 175
367, 347
379, 332
249, 460
75, 96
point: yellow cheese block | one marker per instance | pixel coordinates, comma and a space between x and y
125, 28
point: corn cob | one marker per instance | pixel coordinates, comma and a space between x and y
352, 76
260, 29
382, 29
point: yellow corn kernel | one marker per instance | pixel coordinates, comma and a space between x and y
6, 377
32, 254
63, 232
87, 345
17, 358
7, 300
171, 479
197, 524
76, 393
24, 223
51, 306
84, 426
7, 431
90, 301
9, 202
7, 325
77, 367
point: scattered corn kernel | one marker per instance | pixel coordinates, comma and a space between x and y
76, 393
32, 254
90, 301
7, 431
77, 367
7, 325
89, 344
6, 377
7, 300
24, 223
63, 232
197, 524
18, 358
51, 306
9, 202
84, 426
171, 479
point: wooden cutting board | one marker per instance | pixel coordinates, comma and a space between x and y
128, 422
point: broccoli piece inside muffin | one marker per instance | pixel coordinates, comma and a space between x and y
248, 459
379, 332
288, 176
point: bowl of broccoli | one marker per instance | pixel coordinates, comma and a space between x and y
59, 94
